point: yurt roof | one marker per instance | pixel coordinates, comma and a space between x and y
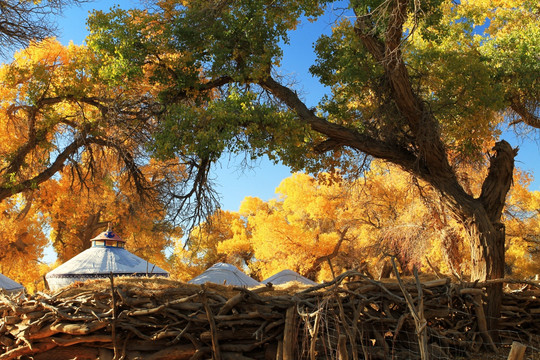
227, 274
105, 260
8, 284
286, 276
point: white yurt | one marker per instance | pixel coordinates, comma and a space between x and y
224, 274
107, 255
286, 276
9, 286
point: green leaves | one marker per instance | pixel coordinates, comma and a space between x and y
236, 123
120, 41
237, 39
515, 61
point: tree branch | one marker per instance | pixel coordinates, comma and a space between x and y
330, 256
499, 179
132, 168
394, 32
339, 135
526, 116
57, 165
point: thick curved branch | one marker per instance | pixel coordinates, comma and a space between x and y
57, 165
215, 83
388, 55
70, 150
211, 84
34, 135
526, 116
432, 161
94, 101
338, 135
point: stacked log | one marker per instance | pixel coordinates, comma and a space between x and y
352, 317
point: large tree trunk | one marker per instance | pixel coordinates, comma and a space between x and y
481, 218
487, 249
487, 257
486, 230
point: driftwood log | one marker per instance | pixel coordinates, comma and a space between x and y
351, 317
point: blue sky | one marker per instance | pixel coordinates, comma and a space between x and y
234, 181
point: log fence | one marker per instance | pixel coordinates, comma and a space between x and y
352, 317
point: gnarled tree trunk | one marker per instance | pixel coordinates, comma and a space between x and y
487, 231
417, 146
481, 217
487, 257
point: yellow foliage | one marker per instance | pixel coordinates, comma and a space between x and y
522, 228
21, 242
50, 96
79, 211
385, 213
205, 246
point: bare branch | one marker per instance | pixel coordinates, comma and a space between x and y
25, 21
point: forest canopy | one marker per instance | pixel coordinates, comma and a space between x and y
140, 115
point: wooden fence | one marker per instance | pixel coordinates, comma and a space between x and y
352, 317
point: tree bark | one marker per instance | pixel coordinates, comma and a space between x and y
487, 232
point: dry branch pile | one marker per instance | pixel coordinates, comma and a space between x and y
163, 319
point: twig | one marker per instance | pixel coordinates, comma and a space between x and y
113, 320
418, 316
216, 354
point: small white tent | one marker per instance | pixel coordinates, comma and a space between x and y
107, 255
286, 276
9, 286
224, 274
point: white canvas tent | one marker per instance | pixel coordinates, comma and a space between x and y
107, 255
224, 274
9, 286
286, 276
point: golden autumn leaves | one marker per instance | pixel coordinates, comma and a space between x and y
71, 161
76, 127
311, 225
314, 223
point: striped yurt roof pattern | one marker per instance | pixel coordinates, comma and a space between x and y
98, 262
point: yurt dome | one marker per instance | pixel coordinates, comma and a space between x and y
107, 255
286, 276
224, 274
9, 286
